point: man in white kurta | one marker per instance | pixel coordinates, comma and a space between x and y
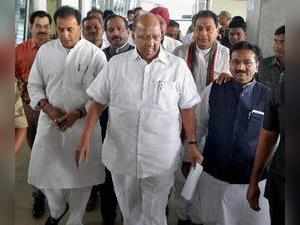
148, 91
60, 75
207, 59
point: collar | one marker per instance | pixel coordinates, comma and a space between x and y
276, 63
162, 56
33, 44
241, 87
120, 49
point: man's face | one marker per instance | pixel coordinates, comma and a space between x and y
68, 31
278, 45
116, 32
237, 35
205, 32
173, 32
243, 65
147, 40
130, 17
93, 31
223, 20
40, 29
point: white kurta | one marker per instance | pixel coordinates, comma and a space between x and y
63, 78
170, 44
143, 134
200, 67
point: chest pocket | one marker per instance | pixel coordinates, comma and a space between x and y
165, 94
255, 123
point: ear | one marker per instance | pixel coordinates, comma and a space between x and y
133, 35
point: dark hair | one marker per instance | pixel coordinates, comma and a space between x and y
113, 17
130, 11
91, 18
107, 13
39, 13
280, 30
238, 18
66, 11
95, 10
173, 23
238, 24
205, 13
245, 45
137, 9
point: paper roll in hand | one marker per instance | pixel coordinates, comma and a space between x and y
191, 182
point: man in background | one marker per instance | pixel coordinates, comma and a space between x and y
40, 22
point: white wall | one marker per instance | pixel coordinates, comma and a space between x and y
267, 16
235, 7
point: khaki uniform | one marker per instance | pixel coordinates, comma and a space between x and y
20, 117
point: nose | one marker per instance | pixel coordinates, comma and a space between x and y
65, 34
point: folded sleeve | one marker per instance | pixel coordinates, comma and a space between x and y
189, 96
99, 90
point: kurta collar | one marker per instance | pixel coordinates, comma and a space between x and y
162, 56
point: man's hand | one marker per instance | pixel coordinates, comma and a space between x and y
195, 155
223, 78
83, 151
68, 119
185, 168
253, 194
53, 112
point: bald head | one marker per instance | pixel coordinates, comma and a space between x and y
147, 35
147, 20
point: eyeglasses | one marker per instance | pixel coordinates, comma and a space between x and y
247, 63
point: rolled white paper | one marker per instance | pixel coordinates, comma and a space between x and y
191, 182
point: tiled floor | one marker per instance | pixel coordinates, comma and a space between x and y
23, 198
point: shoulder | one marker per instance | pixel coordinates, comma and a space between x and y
121, 58
268, 61
223, 49
52, 44
181, 50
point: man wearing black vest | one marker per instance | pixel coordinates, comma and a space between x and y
231, 116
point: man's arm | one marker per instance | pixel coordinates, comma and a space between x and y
266, 144
20, 136
94, 112
189, 126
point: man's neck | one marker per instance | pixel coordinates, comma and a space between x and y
39, 42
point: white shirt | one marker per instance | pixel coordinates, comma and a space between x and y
201, 63
169, 44
62, 77
143, 136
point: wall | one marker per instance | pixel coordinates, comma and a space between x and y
268, 16
235, 7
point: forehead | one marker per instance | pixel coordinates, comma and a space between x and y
69, 21
205, 21
236, 30
41, 20
280, 37
243, 54
117, 21
92, 22
146, 29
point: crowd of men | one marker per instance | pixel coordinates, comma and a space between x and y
123, 108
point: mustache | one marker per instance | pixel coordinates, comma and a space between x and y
116, 37
39, 33
240, 71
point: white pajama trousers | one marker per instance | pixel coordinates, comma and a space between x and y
219, 203
143, 201
77, 199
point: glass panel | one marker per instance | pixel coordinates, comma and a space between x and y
20, 20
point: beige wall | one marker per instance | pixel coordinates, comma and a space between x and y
235, 7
